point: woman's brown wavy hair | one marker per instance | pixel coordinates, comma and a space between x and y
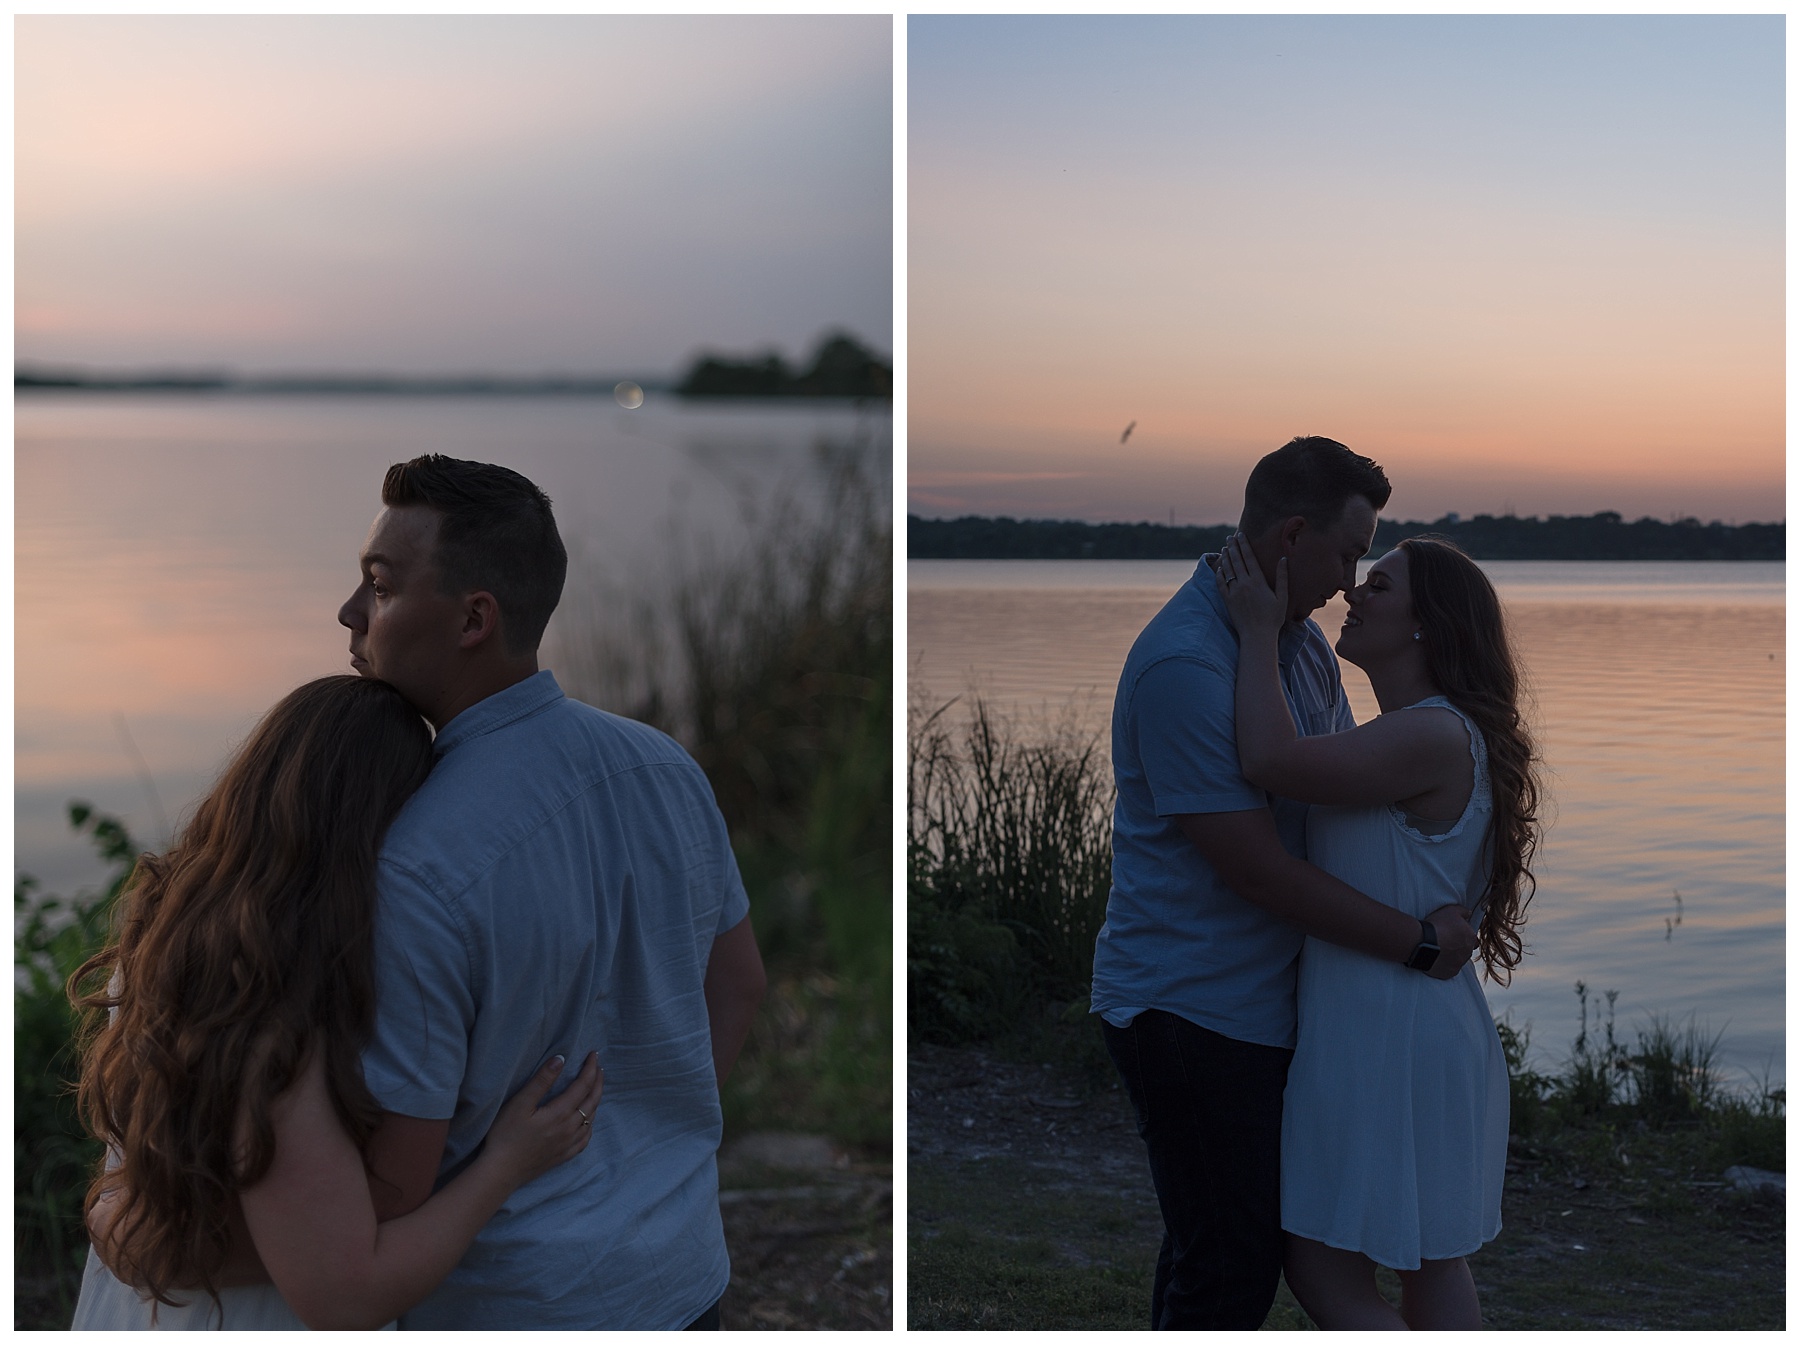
1470, 658
236, 952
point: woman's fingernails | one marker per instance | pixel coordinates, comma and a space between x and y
557, 1061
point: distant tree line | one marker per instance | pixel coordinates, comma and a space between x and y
841, 367
1603, 536
972, 538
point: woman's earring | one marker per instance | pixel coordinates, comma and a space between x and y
1418, 635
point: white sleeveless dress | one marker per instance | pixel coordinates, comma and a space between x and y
109, 1304
1393, 1131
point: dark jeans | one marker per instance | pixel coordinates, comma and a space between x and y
1209, 1109
706, 1321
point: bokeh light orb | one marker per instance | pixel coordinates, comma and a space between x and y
628, 395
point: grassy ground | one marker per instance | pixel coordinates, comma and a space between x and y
1030, 1208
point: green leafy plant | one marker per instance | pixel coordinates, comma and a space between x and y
1529, 1089
53, 1157
968, 978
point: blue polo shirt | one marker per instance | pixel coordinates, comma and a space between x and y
556, 886
1176, 938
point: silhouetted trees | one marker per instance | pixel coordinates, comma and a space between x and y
841, 367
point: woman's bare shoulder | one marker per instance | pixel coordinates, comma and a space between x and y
1435, 726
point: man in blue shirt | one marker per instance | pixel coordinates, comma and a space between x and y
1194, 969
562, 882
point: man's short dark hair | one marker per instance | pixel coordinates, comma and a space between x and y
1311, 476
495, 532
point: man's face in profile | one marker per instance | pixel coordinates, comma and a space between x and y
403, 628
1322, 561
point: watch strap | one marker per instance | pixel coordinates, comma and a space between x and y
1426, 953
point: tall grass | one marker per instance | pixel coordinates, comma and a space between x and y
1009, 861
774, 668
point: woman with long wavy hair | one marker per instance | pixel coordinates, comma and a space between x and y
220, 1050
1393, 1147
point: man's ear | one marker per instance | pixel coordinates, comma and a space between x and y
481, 620
1289, 533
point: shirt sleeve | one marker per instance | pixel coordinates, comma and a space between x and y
1186, 736
425, 1005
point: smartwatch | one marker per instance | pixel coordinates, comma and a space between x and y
1427, 952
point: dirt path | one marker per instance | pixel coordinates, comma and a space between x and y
969, 1106
810, 1232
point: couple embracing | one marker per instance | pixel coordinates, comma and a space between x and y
345, 1047
1284, 975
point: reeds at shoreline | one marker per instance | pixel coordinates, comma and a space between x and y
1009, 859
773, 667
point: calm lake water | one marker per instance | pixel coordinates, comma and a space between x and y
179, 561
1660, 712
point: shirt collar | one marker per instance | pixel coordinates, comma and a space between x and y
516, 702
1293, 633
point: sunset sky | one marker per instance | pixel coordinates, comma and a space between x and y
429, 194
1526, 263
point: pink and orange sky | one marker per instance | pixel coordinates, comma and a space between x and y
1527, 263
442, 194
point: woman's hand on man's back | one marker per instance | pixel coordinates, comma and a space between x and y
531, 1139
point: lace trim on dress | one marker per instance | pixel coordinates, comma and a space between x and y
1480, 796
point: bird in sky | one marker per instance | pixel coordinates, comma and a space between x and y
1128, 429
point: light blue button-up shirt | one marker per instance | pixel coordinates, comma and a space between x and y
1176, 938
556, 886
